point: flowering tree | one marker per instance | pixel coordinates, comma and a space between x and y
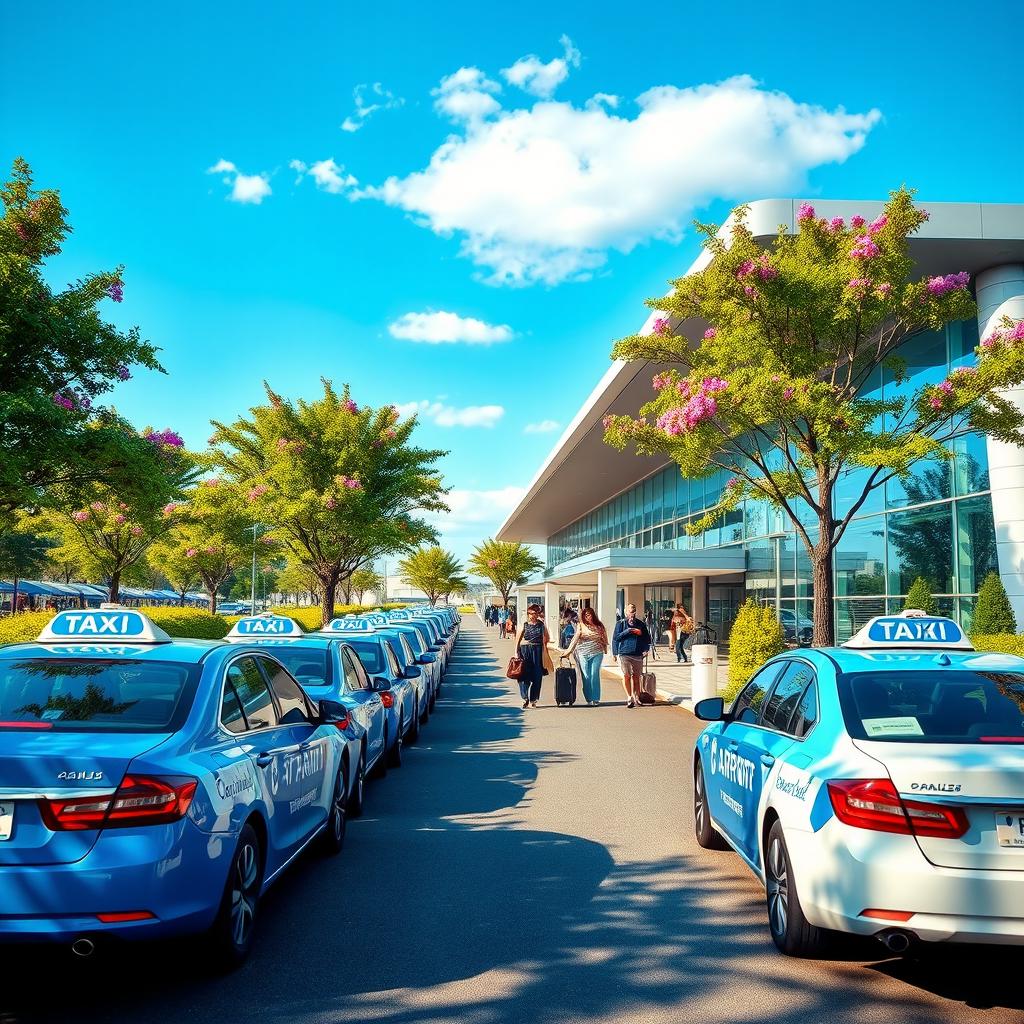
110, 532
171, 560
338, 485
774, 392
505, 565
57, 357
212, 534
432, 570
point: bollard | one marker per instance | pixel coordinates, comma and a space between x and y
704, 655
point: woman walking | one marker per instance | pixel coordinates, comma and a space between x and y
682, 628
632, 640
531, 643
590, 644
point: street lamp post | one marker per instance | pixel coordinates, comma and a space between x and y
255, 527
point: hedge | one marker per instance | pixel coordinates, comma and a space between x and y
186, 623
23, 627
1002, 643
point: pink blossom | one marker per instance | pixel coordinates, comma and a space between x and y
660, 381
191, 553
882, 291
607, 422
965, 371
864, 248
331, 503
63, 401
776, 378
123, 373
877, 224
170, 508
22, 232
732, 482
925, 215
661, 325
165, 437
859, 284
788, 393
210, 549
80, 516
710, 333
351, 406
282, 443
946, 387
948, 283
115, 291
683, 389
711, 385
836, 224
935, 402
353, 485
119, 519
214, 481
258, 491
136, 531
492, 563
98, 506
750, 291
805, 212
745, 268
857, 222
765, 270
122, 506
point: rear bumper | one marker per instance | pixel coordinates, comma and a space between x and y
842, 871
174, 872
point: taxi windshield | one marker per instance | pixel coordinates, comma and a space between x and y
95, 695
941, 706
371, 656
308, 665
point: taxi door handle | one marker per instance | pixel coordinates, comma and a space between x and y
767, 760
262, 760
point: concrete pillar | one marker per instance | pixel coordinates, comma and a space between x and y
699, 611
607, 583
1000, 293
551, 609
635, 595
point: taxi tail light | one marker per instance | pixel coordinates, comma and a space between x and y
341, 724
139, 800
874, 804
387, 699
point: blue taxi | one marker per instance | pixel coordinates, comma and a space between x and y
155, 787
327, 667
397, 684
427, 655
875, 788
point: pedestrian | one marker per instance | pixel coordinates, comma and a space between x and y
531, 645
652, 627
590, 645
569, 620
632, 641
510, 624
682, 630
502, 619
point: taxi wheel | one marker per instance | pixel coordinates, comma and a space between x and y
334, 834
355, 801
791, 931
414, 731
235, 925
425, 717
708, 837
395, 755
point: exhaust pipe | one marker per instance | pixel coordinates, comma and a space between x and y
896, 941
83, 948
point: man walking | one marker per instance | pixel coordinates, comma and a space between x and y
632, 641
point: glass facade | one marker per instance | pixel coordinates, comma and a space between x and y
937, 523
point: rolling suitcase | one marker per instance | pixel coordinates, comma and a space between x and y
648, 686
565, 684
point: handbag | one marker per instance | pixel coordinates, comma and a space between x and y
515, 667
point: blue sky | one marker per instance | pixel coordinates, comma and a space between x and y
533, 196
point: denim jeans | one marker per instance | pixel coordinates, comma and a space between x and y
590, 670
681, 639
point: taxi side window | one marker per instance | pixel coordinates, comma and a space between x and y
747, 708
392, 660
780, 705
806, 711
290, 698
245, 678
231, 716
354, 679
407, 650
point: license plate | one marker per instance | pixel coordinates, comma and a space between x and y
1010, 828
6, 820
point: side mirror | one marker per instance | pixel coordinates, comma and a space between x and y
429, 658
711, 709
412, 672
332, 712
379, 684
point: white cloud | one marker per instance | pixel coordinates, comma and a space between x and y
466, 95
440, 327
533, 76
369, 99
479, 512
543, 427
245, 188
328, 175
542, 194
449, 416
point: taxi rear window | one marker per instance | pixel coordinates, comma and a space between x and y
371, 656
309, 667
940, 706
85, 695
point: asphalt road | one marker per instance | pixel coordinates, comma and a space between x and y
522, 866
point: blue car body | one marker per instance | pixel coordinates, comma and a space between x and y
427, 653
131, 763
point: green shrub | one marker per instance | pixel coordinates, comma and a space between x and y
993, 613
1001, 643
755, 637
23, 628
188, 623
919, 596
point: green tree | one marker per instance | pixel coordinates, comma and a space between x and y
57, 357
919, 597
756, 636
297, 580
432, 570
775, 392
180, 571
993, 612
23, 555
364, 580
505, 564
340, 485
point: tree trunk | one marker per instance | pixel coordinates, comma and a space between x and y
114, 590
824, 604
211, 605
14, 597
181, 598
329, 586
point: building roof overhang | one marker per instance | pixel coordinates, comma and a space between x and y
582, 472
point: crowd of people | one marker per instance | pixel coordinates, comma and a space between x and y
583, 639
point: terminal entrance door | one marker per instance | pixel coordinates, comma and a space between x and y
724, 600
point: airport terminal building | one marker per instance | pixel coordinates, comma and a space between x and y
614, 523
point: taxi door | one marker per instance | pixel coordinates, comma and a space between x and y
310, 770
369, 711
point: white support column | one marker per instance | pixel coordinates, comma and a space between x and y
551, 609
699, 611
1001, 293
607, 583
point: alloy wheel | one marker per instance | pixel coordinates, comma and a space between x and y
243, 894
778, 888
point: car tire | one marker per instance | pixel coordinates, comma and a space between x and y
355, 801
433, 701
233, 929
791, 932
708, 837
414, 729
395, 754
425, 717
332, 839
380, 769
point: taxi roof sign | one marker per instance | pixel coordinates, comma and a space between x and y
109, 623
378, 618
911, 630
266, 625
350, 626
398, 615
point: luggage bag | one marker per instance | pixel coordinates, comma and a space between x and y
565, 684
648, 686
